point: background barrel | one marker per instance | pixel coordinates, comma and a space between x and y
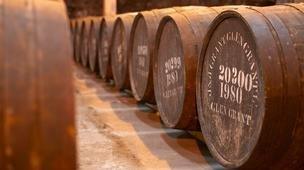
250, 88
93, 43
120, 48
84, 41
176, 53
77, 40
105, 36
142, 41
72, 28
37, 106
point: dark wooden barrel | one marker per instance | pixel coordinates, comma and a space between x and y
76, 44
36, 86
84, 41
250, 88
119, 50
105, 36
178, 43
74, 25
93, 43
72, 29
142, 41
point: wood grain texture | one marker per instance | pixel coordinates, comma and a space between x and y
37, 112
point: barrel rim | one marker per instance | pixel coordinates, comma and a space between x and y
230, 13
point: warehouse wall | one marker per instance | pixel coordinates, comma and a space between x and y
79, 8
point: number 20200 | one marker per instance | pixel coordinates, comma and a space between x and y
233, 81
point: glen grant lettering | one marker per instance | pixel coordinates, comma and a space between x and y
231, 82
231, 113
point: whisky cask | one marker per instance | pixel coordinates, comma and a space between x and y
76, 44
120, 49
105, 36
250, 88
142, 41
72, 29
93, 43
84, 41
177, 47
36, 88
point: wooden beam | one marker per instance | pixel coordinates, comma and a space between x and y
109, 7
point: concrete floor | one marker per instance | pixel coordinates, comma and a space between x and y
114, 132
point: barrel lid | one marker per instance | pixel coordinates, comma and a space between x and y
169, 72
230, 91
118, 53
139, 57
105, 31
93, 41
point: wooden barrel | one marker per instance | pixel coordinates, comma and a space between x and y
73, 37
93, 43
178, 43
84, 41
250, 88
105, 36
72, 28
36, 87
76, 44
142, 41
120, 48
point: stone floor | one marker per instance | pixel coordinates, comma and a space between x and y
115, 132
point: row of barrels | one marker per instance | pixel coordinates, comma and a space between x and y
233, 72
37, 128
